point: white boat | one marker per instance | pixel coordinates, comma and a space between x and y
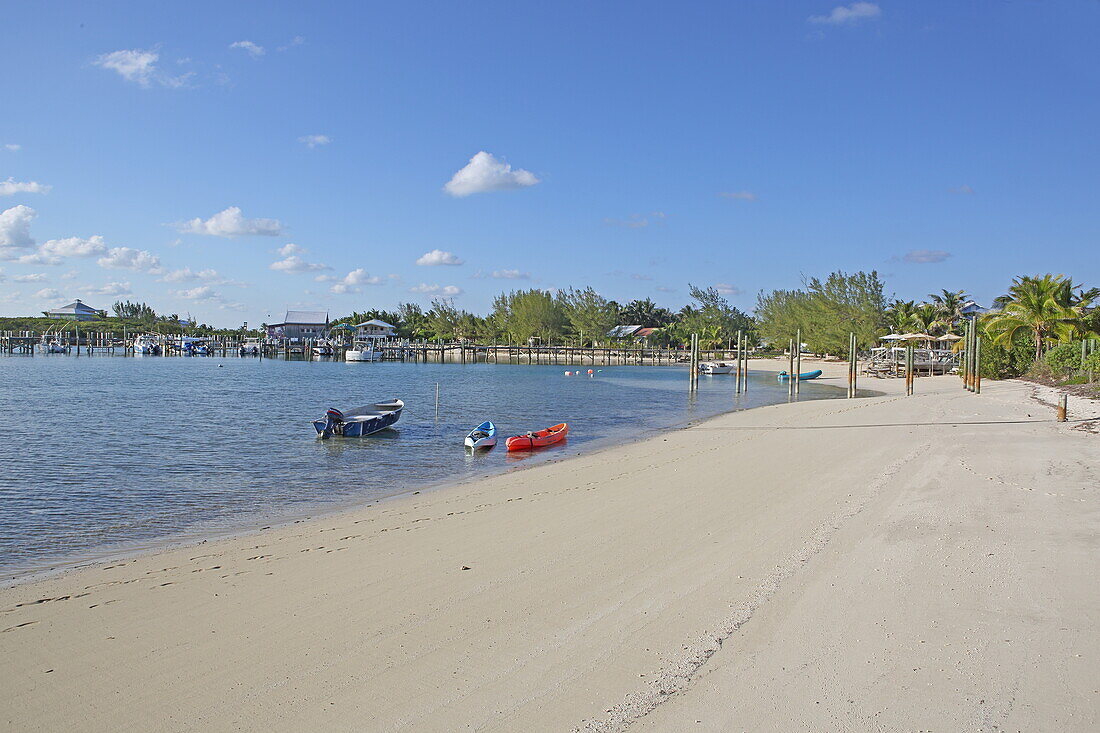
483, 436
250, 347
716, 367
52, 347
322, 349
363, 352
146, 345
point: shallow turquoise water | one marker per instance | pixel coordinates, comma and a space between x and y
101, 453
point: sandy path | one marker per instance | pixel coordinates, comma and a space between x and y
861, 569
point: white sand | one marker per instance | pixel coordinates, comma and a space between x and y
887, 563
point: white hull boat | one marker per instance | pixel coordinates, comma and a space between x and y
716, 367
365, 354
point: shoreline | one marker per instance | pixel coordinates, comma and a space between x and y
247, 524
653, 584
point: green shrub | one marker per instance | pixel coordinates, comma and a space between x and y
1007, 362
1064, 359
1092, 362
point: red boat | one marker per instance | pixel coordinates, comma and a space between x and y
539, 438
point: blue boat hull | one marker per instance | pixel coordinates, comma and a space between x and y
783, 376
356, 428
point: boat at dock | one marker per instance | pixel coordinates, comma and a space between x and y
483, 436
359, 421
363, 351
716, 367
538, 438
804, 376
146, 345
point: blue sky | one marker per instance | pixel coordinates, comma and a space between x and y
173, 152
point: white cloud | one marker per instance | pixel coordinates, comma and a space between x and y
727, 289
15, 230
485, 173
70, 275
11, 187
853, 13
34, 277
48, 294
964, 190
125, 258
140, 66
510, 275
73, 247
209, 276
132, 65
438, 257
295, 264
2, 278
202, 292
296, 41
254, 50
351, 282
108, 289
639, 276
925, 256
739, 195
663, 289
446, 290
13, 147
314, 140
231, 223
290, 249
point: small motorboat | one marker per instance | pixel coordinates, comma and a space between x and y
323, 349
716, 367
53, 347
363, 352
783, 376
359, 421
146, 345
538, 438
483, 436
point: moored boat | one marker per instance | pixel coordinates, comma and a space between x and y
363, 352
483, 436
783, 376
146, 345
538, 438
359, 421
716, 367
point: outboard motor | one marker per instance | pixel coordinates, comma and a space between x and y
334, 424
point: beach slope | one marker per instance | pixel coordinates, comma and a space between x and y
884, 563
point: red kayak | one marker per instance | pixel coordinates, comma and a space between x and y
539, 438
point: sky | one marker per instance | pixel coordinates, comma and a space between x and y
235, 160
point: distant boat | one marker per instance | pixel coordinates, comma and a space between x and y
363, 352
202, 350
715, 367
538, 438
146, 345
483, 436
359, 421
783, 376
250, 347
322, 349
55, 348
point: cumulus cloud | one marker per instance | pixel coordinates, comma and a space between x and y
187, 275
485, 173
445, 290
313, 141
727, 289
292, 264
925, 256
844, 14
964, 190
510, 275
34, 277
126, 258
108, 289
15, 230
202, 293
12, 147
11, 187
438, 257
254, 50
350, 283
48, 294
231, 223
73, 247
739, 195
139, 66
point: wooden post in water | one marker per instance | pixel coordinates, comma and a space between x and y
798, 362
978, 364
790, 368
737, 389
851, 363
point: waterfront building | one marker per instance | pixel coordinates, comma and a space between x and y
299, 326
75, 311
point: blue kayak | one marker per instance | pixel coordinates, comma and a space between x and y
783, 376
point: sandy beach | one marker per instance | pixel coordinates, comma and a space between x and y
885, 563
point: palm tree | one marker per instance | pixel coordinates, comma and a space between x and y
1047, 306
948, 304
899, 315
925, 316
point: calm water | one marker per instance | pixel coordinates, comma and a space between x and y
101, 454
